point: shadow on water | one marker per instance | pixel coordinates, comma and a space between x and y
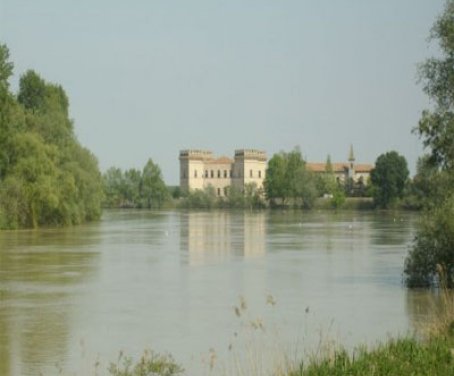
39, 274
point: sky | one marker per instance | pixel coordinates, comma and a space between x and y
147, 78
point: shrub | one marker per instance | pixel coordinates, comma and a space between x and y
433, 245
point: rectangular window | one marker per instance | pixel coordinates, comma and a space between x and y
206, 173
212, 174
226, 192
250, 173
219, 173
260, 174
231, 173
195, 173
219, 191
225, 173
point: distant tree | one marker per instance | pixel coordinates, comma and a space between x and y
113, 181
32, 91
287, 178
6, 68
388, 178
153, 190
131, 187
276, 185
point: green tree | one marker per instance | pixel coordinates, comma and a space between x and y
287, 178
433, 246
153, 191
388, 178
275, 180
434, 241
32, 91
436, 127
46, 176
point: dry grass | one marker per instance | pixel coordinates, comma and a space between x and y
441, 317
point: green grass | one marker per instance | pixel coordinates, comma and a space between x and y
406, 356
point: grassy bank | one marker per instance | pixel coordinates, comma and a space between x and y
429, 352
407, 356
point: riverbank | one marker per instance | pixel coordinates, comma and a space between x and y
430, 351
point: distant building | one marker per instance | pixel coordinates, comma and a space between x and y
343, 171
199, 169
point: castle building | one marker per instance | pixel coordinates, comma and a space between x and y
200, 169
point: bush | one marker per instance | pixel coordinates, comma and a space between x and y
150, 364
433, 245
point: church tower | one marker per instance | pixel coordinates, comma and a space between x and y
351, 161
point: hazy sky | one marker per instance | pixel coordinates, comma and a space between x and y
146, 78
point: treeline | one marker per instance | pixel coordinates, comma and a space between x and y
134, 188
46, 176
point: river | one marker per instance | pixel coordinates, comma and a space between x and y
219, 290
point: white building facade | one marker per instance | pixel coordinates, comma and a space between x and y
200, 169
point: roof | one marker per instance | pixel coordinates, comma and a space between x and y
338, 167
220, 160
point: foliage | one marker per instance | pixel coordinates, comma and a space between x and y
288, 179
150, 364
433, 246
338, 198
436, 127
404, 356
434, 241
389, 178
46, 176
135, 189
199, 199
153, 191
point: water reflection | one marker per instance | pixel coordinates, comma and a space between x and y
39, 274
215, 236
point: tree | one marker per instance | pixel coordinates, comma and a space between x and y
32, 91
153, 190
388, 178
287, 178
275, 180
436, 127
46, 176
433, 247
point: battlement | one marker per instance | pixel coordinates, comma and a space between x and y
253, 154
196, 154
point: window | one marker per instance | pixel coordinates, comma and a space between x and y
231, 173
212, 174
219, 191
225, 173
219, 173
260, 174
206, 173
195, 173
226, 191
250, 173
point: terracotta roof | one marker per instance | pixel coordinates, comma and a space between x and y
364, 167
220, 160
338, 167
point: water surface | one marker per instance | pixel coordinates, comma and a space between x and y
171, 280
